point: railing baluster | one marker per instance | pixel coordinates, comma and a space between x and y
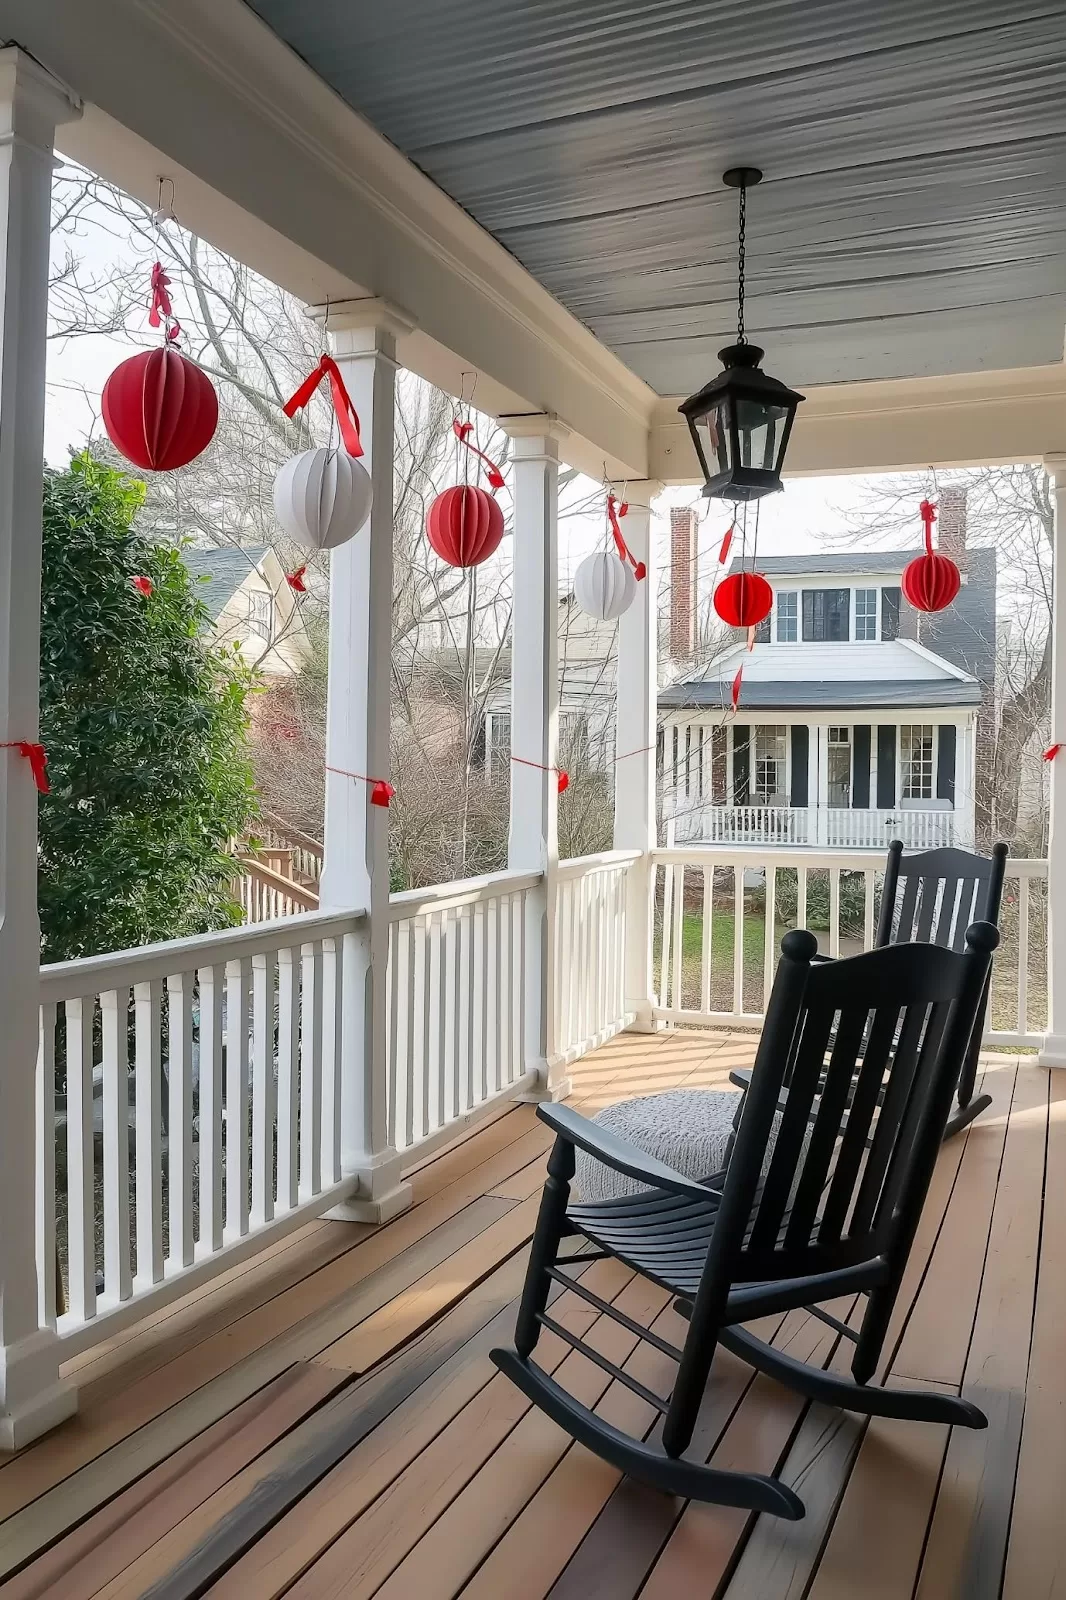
1023, 955
503, 985
667, 933
210, 981
237, 1167
449, 1018
416, 1061
310, 1070
834, 911
477, 1006
870, 879
81, 1208
114, 1031
706, 943
492, 996
678, 935
738, 939
465, 1024
288, 1090
770, 951
179, 1121
45, 1208
435, 1113
263, 1091
331, 1059
148, 1088
801, 897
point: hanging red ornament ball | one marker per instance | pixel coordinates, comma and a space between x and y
464, 525
159, 409
743, 599
930, 582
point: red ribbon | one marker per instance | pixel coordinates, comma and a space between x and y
927, 512
36, 756
735, 691
295, 580
538, 766
616, 509
381, 791
462, 431
347, 419
143, 585
723, 552
161, 306
1052, 751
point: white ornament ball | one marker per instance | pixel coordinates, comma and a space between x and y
604, 586
322, 498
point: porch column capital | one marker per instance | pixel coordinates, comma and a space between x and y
33, 104
363, 326
539, 425
639, 492
1055, 467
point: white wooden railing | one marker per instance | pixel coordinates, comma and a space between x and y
456, 1014
720, 916
191, 1092
833, 827
590, 951
305, 852
266, 894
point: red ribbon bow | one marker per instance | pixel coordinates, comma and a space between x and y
295, 580
36, 756
538, 766
616, 509
143, 585
734, 694
1052, 751
927, 512
462, 431
724, 548
161, 306
381, 791
347, 420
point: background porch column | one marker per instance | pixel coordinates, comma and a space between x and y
636, 720
533, 839
32, 104
355, 870
1053, 1053
964, 819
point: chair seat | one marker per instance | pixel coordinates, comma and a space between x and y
664, 1236
688, 1129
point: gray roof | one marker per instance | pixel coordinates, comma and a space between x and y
712, 694
225, 571
845, 562
965, 634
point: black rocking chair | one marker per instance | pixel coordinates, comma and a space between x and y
833, 1214
932, 897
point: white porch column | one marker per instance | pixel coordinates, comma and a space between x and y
818, 767
356, 846
964, 831
32, 104
1053, 1053
636, 720
533, 842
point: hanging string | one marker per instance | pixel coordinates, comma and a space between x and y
37, 757
344, 411
538, 766
381, 790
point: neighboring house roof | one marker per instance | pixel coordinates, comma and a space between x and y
846, 563
840, 694
225, 571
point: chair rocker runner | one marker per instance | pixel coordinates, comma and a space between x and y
834, 1214
932, 897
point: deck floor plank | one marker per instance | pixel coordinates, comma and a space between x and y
324, 1420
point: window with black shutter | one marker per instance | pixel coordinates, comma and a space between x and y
890, 613
826, 614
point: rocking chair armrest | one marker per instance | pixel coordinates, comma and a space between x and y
617, 1153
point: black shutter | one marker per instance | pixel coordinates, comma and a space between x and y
945, 768
801, 746
890, 599
837, 614
860, 767
808, 614
741, 765
886, 768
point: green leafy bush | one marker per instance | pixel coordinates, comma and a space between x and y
145, 728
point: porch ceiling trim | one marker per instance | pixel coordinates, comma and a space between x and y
215, 99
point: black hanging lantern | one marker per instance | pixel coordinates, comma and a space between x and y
741, 420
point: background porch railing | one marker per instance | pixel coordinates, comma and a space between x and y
832, 827
188, 1099
590, 951
720, 916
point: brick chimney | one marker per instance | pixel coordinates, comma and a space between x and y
684, 585
951, 521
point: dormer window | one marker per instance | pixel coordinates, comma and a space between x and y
826, 614
866, 613
787, 616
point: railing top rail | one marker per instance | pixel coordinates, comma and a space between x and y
580, 866
281, 826
725, 855
90, 975
463, 891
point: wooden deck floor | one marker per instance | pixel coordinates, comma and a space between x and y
326, 1422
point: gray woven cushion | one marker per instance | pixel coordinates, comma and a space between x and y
689, 1129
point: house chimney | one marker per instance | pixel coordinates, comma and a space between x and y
951, 521
683, 583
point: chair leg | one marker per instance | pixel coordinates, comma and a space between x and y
550, 1229
966, 1114
915, 1405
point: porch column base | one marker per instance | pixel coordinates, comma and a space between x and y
644, 1020
382, 1193
35, 1399
553, 1083
1052, 1051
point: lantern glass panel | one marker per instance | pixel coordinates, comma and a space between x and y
759, 430
717, 425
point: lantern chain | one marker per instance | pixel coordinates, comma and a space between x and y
741, 339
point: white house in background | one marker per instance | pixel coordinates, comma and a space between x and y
251, 605
858, 721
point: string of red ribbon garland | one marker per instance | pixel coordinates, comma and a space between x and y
37, 757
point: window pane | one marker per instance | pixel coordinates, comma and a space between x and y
762, 631
916, 761
826, 614
787, 617
866, 613
770, 767
890, 599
